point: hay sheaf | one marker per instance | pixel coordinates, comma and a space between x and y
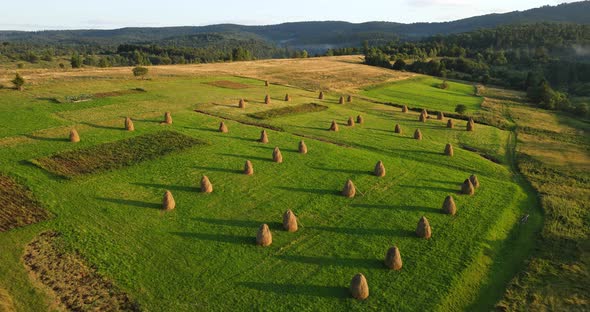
277, 156
398, 129
417, 134
470, 124
168, 118
168, 202
440, 116
341, 100
248, 168
349, 99
242, 104
266, 84
287, 97
129, 124
474, 181
467, 188
449, 206
333, 126
206, 186
290, 221
349, 189
264, 236
393, 259
379, 169
424, 112
321, 96
223, 127
302, 147
449, 149
267, 99
422, 118
73, 283
359, 119
74, 136
359, 288
450, 124
405, 109
423, 229
263, 137
350, 122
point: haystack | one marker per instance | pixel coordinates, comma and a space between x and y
248, 168
302, 147
405, 109
398, 129
349, 99
341, 100
129, 124
266, 84
449, 149
393, 259
473, 179
74, 137
267, 99
287, 97
450, 124
263, 237
321, 96
417, 134
449, 206
422, 117
359, 119
168, 118
277, 156
359, 289
349, 190
467, 188
470, 124
223, 128
206, 186
379, 169
424, 112
333, 126
263, 137
440, 116
290, 221
168, 202
242, 104
350, 122
423, 230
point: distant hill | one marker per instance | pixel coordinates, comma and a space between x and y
313, 36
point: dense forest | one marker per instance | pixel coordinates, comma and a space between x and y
550, 61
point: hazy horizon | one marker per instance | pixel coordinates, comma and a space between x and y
111, 14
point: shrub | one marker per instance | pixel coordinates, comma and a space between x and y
139, 71
460, 108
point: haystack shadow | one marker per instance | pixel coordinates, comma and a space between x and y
364, 231
130, 202
168, 187
221, 238
310, 191
331, 261
398, 207
299, 289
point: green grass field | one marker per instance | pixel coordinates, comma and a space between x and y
424, 92
202, 255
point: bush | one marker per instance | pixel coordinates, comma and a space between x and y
444, 85
18, 82
140, 71
461, 108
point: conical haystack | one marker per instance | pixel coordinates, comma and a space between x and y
470, 124
242, 103
422, 118
473, 179
405, 109
440, 116
341, 100
379, 169
264, 236
423, 230
248, 168
467, 188
168, 202
350, 122
167, 118
276, 155
450, 124
333, 126
449, 149
266, 84
74, 137
290, 221
393, 259
223, 127
417, 134
263, 137
129, 124
287, 97
349, 99
349, 190
359, 289
449, 206
267, 99
424, 112
321, 96
398, 129
302, 147
206, 186
359, 119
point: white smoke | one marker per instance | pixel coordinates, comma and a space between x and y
581, 50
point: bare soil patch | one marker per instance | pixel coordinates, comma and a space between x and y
19, 208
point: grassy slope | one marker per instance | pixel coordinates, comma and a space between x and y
202, 255
423, 91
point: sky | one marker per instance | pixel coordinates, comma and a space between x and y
110, 14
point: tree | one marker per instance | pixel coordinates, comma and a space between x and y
461, 108
139, 71
76, 60
399, 64
18, 82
